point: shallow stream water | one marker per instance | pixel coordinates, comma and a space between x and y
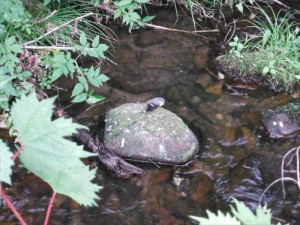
236, 156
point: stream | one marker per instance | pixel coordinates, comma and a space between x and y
236, 156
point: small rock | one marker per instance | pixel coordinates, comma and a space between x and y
201, 56
282, 121
214, 89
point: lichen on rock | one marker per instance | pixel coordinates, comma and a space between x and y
159, 135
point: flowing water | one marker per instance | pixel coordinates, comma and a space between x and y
236, 157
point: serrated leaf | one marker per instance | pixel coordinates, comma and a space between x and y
80, 98
6, 163
117, 13
16, 48
216, 219
48, 154
95, 41
56, 74
83, 39
83, 81
10, 40
77, 89
4, 79
243, 213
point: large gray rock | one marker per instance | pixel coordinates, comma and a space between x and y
158, 135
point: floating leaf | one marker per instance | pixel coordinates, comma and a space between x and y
48, 154
6, 163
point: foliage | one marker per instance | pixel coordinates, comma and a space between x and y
240, 215
48, 155
237, 47
32, 58
126, 9
6, 163
276, 54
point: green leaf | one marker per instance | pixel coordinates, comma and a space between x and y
80, 98
117, 13
77, 89
83, 81
6, 163
240, 7
83, 39
16, 48
48, 154
95, 41
266, 70
123, 3
243, 213
4, 79
46, 2
56, 74
94, 99
147, 19
218, 219
10, 40
266, 36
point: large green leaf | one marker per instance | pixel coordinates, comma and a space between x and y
48, 154
245, 215
216, 219
6, 163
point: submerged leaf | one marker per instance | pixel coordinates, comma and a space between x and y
48, 154
6, 163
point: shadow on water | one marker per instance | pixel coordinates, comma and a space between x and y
236, 156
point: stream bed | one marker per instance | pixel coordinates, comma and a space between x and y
236, 157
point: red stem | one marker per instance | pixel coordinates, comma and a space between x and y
12, 208
17, 153
49, 208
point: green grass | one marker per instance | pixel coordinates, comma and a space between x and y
276, 53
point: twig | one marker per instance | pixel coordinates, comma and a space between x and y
47, 17
285, 6
49, 208
177, 30
63, 48
12, 208
57, 28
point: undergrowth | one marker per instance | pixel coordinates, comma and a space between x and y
274, 52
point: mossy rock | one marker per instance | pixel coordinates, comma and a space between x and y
156, 136
246, 71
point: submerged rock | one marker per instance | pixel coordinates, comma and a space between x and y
283, 121
158, 135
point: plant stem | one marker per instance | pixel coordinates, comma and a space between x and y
17, 153
57, 28
49, 208
12, 208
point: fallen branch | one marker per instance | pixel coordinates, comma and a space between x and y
177, 30
108, 158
